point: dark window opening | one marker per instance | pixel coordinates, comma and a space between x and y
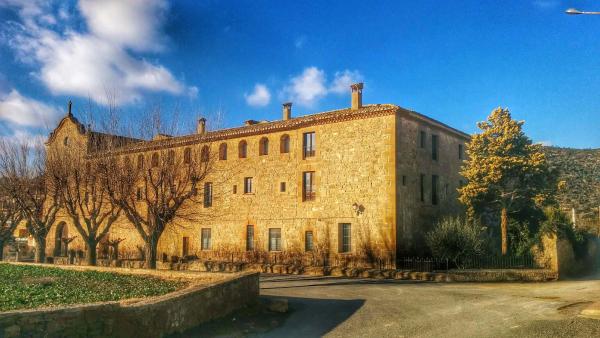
248, 189
422, 139
308, 241
345, 238
308, 145
208, 193
275, 239
308, 186
187, 156
263, 146
282, 187
284, 146
250, 238
223, 151
205, 238
243, 149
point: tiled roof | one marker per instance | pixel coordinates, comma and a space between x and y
332, 116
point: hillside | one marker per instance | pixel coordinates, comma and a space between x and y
580, 169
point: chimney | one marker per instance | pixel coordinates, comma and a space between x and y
356, 95
287, 110
201, 129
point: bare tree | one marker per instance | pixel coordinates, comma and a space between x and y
25, 180
10, 217
159, 186
84, 195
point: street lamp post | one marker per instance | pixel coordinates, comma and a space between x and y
573, 11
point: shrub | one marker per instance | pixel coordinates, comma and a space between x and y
557, 223
455, 239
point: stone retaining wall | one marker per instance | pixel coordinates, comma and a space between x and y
491, 275
148, 317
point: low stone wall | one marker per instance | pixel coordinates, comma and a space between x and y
148, 317
492, 275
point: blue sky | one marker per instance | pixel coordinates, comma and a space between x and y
452, 60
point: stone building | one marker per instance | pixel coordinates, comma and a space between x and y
368, 177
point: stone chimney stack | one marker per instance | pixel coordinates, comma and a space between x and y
356, 95
287, 110
201, 129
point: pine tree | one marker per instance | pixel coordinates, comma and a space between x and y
506, 173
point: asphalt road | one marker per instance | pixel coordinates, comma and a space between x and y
336, 307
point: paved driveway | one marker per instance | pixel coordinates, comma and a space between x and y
336, 307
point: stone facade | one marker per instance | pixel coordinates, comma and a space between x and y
373, 166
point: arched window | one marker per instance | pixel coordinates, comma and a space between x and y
263, 146
223, 151
140, 161
171, 157
204, 154
284, 145
66, 141
187, 156
243, 149
155, 160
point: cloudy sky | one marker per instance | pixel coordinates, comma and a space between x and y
454, 60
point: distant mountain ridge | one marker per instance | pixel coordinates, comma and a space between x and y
580, 169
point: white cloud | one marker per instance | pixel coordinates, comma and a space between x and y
342, 81
25, 112
260, 97
311, 85
132, 23
307, 88
99, 62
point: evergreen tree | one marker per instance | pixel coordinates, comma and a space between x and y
507, 175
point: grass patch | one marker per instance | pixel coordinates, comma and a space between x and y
26, 286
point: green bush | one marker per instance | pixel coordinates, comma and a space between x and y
455, 239
557, 223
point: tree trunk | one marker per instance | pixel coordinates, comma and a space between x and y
1, 250
91, 255
151, 249
40, 249
504, 230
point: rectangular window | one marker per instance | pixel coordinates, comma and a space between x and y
345, 238
422, 139
282, 187
422, 187
434, 147
308, 144
205, 238
460, 152
434, 189
250, 238
308, 186
234, 189
308, 241
185, 246
248, 185
208, 194
404, 180
275, 239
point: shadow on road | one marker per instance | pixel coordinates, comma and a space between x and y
307, 317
